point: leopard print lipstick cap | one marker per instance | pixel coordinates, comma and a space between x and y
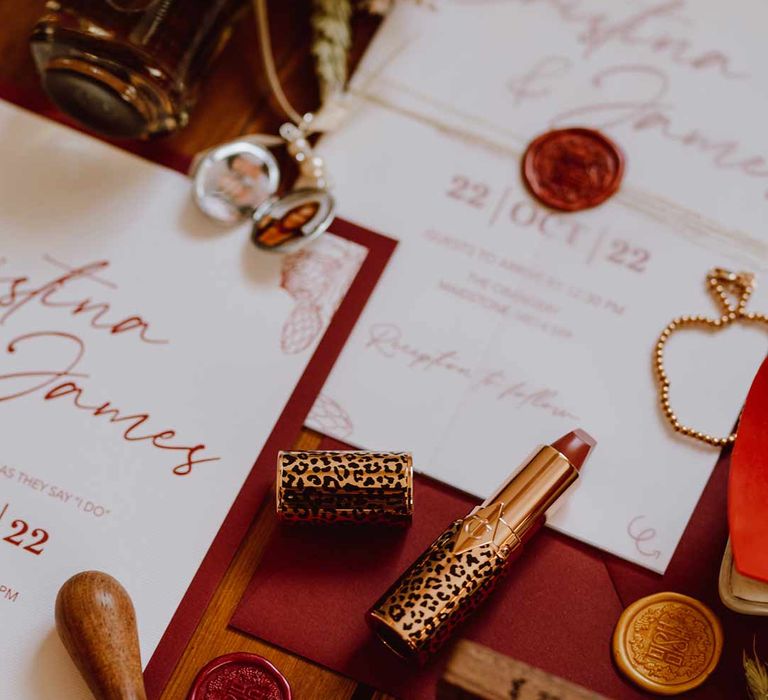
345, 486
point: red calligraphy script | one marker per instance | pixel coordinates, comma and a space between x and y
59, 383
21, 291
60, 379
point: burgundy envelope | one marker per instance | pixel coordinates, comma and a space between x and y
557, 609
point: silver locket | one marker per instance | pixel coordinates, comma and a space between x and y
240, 179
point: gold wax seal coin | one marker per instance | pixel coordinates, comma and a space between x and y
667, 643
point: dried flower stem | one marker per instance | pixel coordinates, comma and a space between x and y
330, 44
757, 676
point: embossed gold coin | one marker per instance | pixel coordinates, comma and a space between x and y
667, 643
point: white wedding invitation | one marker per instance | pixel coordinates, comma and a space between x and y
145, 354
501, 324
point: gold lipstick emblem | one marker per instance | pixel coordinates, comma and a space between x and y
485, 526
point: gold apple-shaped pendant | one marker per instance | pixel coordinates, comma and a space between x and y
731, 291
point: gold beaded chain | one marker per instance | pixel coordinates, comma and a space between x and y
723, 285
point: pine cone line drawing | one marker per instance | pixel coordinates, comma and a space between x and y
317, 277
330, 418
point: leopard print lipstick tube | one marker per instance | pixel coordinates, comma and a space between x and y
345, 486
462, 566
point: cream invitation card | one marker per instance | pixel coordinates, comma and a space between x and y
502, 324
144, 357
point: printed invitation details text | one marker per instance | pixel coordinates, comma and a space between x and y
502, 324
676, 83
133, 340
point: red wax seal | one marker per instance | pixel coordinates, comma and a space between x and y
572, 169
240, 676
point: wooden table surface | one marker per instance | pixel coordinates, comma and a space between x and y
235, 99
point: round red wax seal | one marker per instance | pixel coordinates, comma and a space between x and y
572, 169
240, 675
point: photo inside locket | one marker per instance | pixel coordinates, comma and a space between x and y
240, 179
290, 218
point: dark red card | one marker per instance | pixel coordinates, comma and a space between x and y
284, 434
557, 610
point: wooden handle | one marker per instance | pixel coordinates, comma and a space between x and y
475, 672
96, 621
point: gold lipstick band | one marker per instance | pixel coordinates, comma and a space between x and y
345, 486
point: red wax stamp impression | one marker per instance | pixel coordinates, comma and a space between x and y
572, 169
240, 675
